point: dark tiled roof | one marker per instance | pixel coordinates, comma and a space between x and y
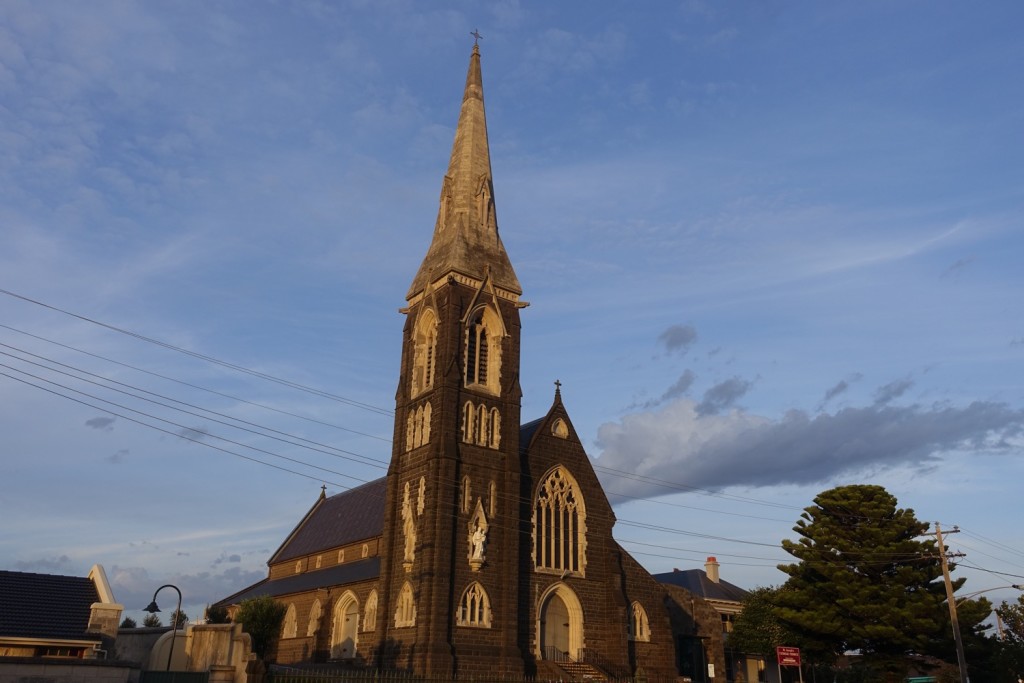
697, 582
337, 575
46, 605
527, 431
343, 518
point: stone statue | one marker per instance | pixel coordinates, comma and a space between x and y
478, 540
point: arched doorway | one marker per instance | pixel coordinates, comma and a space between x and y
345, 627
559, 624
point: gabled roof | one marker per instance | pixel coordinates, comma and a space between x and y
338, 520
697, 582
46, 606
338, 575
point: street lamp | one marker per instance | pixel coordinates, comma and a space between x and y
152, 609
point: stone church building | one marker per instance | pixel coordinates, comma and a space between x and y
487, 549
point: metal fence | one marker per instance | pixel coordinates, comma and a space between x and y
174, 677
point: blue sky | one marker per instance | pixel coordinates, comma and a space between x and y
769, 247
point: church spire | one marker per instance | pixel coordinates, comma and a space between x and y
466, 239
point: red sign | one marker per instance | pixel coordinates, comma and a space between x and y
788, 656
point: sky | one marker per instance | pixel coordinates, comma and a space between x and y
770, 248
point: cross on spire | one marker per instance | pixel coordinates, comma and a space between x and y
476, 37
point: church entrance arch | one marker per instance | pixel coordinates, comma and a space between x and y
559, 624
345, 627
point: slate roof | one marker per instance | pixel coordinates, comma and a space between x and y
343, 518
697, 582
46, 606
527, 431
340, 574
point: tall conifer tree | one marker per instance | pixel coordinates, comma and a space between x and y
865, 579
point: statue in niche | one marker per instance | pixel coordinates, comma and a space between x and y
479, 540
477, 537
408, 530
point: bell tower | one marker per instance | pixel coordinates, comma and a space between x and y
450, 557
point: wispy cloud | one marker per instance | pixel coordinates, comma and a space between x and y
893, 390
723, 395
678, 338
105, 424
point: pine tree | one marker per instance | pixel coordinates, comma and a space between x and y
864, 581
261, 618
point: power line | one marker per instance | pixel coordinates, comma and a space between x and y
194, 386
365, 460
170, 422
208, 359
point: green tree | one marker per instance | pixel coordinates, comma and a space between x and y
757, 631
217, 615
152, 620
179, 619
261, 618
1011, 650
864, 580
128, 622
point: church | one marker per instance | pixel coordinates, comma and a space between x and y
487, 549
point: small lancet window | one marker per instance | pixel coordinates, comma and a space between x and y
639, 626
468, 415
495, 429
481, 430
476, 351
417, 428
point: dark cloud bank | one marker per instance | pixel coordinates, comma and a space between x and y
684, 443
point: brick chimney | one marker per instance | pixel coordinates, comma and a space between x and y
711, 569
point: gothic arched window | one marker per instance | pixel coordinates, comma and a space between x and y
494, 439
639, 627
417, 428
316, 612
476, 351
290, 627
424, 351
481, 430
370, 614
474, 607
559, 524
483, 350
468, 422
467, 494
405, 614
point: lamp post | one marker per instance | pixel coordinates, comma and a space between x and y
152, 609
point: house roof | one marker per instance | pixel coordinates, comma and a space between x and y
697, 582
46, 606
338, 520
337, 575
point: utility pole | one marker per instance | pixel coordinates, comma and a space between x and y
952, 604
